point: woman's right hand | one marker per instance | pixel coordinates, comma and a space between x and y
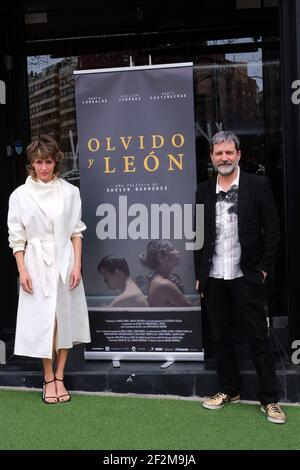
25, 282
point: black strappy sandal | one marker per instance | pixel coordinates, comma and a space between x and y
44, 398
65, 395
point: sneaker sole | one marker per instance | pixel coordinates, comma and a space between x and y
273, 420
217, 407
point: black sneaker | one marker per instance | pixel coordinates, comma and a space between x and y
219, 400
274, 413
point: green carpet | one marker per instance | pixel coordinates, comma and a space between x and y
110, 423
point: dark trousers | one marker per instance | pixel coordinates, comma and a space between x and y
220, 297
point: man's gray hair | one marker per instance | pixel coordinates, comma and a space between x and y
225, 136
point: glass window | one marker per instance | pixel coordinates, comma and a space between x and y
237, 87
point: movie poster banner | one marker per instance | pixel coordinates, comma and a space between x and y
138, 179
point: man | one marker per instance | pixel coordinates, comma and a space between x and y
116, 275
240, 243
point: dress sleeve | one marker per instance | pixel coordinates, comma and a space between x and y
16, 230
80, 226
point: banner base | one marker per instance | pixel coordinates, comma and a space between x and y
167, 364
147, 356
2, 352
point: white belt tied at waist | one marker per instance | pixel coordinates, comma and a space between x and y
42, 258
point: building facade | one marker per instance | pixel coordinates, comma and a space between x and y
246, 66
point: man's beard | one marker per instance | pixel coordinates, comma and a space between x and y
226, 169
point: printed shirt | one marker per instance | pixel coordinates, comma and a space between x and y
227, 254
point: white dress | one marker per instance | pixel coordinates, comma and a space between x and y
42, 218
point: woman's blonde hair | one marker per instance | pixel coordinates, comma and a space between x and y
43, 147
155, 248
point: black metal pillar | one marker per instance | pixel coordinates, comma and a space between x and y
13, 127
290, 70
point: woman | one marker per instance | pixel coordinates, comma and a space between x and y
162, 258
45, 234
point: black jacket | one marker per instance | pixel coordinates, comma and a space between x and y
258, 227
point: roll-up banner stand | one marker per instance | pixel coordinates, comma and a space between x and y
138, 179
